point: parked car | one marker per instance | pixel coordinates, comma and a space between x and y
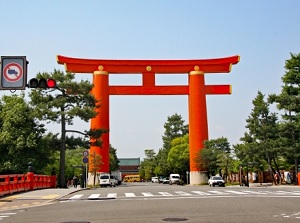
174, 179
107, 180
154, 179
216, 180
166, 180
119, 182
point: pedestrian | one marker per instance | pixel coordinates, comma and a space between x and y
276, 177
243, 181
75, 181
288, 178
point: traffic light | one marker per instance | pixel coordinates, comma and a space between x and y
42, 83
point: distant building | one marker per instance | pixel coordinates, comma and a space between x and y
129, 166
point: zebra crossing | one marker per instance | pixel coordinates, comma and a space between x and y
193, 193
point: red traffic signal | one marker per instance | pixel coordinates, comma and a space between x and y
51, 83
42, 83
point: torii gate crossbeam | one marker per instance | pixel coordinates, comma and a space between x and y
196, 91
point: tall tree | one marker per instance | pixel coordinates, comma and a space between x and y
288, 101
174, 128
209, 157
21, 137
68, 100
113, 159
178, 157
148, 165
260, 143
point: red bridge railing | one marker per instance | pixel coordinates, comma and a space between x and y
14, 183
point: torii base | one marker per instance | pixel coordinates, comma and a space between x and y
198, 177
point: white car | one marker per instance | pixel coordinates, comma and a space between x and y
107, 180
174, 179
216, 180
154, 179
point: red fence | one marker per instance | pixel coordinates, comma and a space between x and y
14, 183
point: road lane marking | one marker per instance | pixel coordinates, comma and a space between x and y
94, 196
147, 194
129, 194
112, 195
236, 192
255, 192
78, 196
165, 194
217, 192
200, 193
182, 193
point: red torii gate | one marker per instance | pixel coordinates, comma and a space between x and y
196, 90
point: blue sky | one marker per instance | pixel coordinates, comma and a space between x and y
263, 33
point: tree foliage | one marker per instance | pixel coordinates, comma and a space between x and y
261, 142
178, 156
174, 128
213, 154
288, 101
22, 137
113, 159
68, 100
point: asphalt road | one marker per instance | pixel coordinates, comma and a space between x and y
164, 203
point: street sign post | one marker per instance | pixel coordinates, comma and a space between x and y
13, 73
85, 160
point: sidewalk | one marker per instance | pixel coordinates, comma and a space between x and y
42, 194
272, 185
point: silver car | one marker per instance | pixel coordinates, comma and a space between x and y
216, 180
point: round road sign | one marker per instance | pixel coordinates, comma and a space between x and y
85, 160
12, 72
85, 153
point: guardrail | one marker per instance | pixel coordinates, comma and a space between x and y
13, 183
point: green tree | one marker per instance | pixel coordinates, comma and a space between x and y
113, 159
21, 137
178, 156
174, 128
262, 138
68, 100
209, 157
147, 167
288, 101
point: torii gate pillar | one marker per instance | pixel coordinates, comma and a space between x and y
196, 91
101, 121
198, 128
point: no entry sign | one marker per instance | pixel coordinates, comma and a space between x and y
13, 73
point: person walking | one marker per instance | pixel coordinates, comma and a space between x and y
276, 177
288, 178
75, 181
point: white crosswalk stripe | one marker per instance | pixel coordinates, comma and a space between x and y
200, 193
129, 194
94, 196
165, 193
217, 192
235, 192
256, 192
182, 193
189, 193
147, 194
111, 195
75, 197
